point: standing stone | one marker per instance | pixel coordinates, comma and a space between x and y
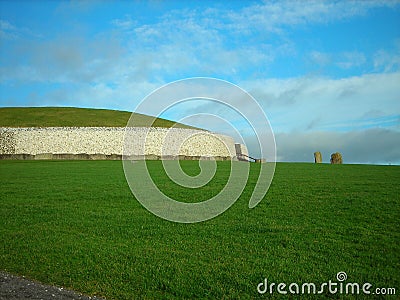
317, 157
336, 158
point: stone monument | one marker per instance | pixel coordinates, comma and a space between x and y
317, 157
336, 158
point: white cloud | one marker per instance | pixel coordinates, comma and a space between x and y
343, 60
9, 31
320, 58
323, 103
351, 59
65, 59
5, 25
369, 146
274, 15
308, 104
125, 23
387, 61
184, 43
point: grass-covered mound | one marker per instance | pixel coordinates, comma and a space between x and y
74, 117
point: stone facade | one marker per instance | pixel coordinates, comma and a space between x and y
108, 143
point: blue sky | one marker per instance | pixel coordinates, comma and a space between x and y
326, 73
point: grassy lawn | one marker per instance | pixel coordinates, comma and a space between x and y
75, 117
76, 224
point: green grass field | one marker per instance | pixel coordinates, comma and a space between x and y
76, 224
75, 117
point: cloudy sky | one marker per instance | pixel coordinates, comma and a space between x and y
326, 73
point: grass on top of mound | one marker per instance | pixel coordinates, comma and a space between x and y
75, 117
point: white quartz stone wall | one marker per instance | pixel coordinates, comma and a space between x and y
110, 140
